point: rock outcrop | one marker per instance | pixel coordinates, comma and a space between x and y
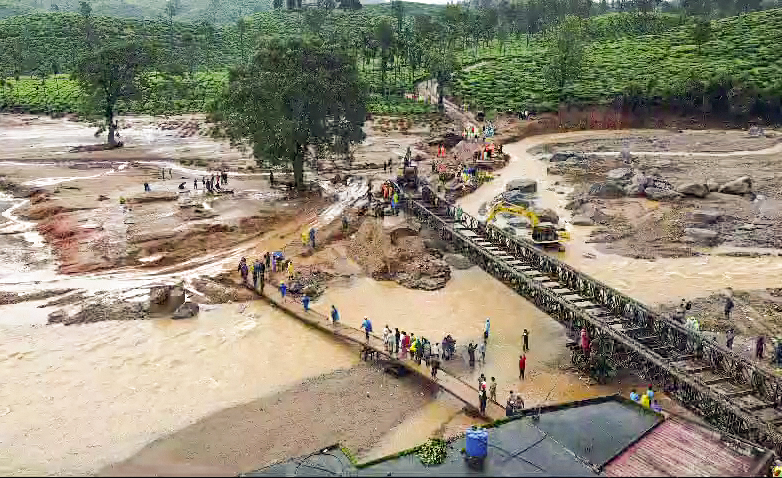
693, 189
186, 310
527, 186
657, 194
742, 185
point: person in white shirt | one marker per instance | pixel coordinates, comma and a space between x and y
386, 333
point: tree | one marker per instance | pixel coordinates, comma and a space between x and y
86, 14
566, 46
701, 32
113, 75
384, 34
241, 27
441, 67
294, 94
327, 4
350, 4
172, 8
398, 9
315, 18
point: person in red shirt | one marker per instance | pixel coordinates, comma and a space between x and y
522, 365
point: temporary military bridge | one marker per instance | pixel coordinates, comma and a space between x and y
729, 391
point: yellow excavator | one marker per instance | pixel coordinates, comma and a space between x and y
544, 234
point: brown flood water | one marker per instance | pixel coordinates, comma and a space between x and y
657, 281
75, 399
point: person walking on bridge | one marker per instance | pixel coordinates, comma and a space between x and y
312, 237
334, 315
471, 353
397, 337
522, 365
486, 330
283, 290
386, 333
493, 389
483, 399
256, 273
367, 326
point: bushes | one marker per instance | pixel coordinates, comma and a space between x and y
665, 66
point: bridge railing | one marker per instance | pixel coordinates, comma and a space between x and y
690, 390
672, 332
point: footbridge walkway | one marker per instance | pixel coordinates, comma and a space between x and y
451, 384
729, 391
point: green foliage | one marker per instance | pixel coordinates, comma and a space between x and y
433, 452
701, 32
743, 51
112, 76
565, 45
293, 95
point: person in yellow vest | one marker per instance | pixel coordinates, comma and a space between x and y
645, 400
290, 269
304, 238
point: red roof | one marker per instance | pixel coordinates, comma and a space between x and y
680, 448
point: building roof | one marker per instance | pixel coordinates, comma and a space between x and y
597, 437
681, 448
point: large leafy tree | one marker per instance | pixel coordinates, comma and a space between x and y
112, 75
566, 49
294, 94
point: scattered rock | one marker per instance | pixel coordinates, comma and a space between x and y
693, 189
657, 194
713, 185
742, 185
700, 235
703, 216
522, 185
607, 190
457, 261
634, 190
582, 221
186, 310
103, 197
619, 174
57, 317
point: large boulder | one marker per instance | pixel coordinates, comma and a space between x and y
527, 186
713, 185
546, 215
582, 221
518, 198
700, 236
634, 190
607, 190
566, 155
619, 174
159, 294
186, 311
693, 189
657, 194
742, 185
703, 216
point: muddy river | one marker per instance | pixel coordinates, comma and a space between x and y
77, 398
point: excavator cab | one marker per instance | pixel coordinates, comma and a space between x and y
545, 232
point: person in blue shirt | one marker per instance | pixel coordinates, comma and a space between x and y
283, 289
334, 315
634, 396
306, 302
312, 237
367, 326
486, 330
650, 393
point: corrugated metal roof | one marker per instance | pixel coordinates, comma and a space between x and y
680, 448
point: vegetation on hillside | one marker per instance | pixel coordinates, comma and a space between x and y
511, 54
736, 70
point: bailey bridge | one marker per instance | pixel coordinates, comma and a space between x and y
726, 389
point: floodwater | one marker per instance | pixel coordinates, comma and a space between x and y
659, 281
77, 398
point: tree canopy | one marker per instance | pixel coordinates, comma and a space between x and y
294, 94
566, 46
110, 75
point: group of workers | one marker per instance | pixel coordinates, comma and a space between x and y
401, 345
646, 400
210, 183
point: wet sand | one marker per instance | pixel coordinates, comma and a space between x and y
352, 407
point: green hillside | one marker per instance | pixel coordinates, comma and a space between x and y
742, 56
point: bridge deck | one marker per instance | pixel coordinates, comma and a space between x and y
453, 385
663, 345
